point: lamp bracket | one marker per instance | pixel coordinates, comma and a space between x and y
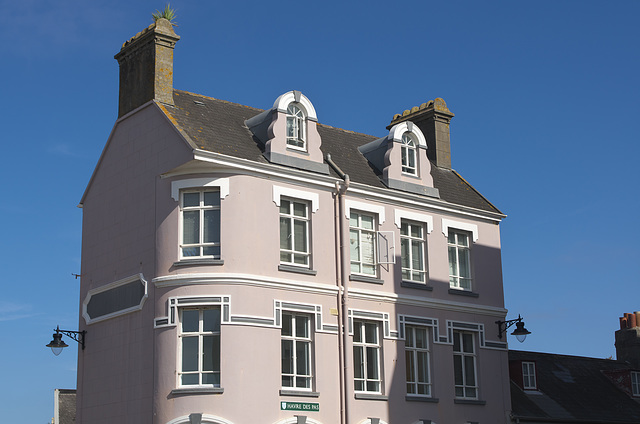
503, 326
78, 336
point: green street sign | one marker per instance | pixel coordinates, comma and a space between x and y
299, 406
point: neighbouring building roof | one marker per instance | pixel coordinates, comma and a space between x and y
573, 389
219, 126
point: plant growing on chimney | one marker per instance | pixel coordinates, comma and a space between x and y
167, 13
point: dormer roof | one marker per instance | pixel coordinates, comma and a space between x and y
223, 127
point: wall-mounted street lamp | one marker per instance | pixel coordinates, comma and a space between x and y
520, 332
57, 344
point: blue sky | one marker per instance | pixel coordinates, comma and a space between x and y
546, 101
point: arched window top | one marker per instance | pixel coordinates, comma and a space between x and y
407, 130
294, 97
409, 157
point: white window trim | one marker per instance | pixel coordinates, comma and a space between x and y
179, 371
296, 339
457, 225
127, 280
313, 198
637, 376
194, 183
535, 380
475, 364
364, 207
423, 241
413, 216
363, 344
414, 350
200, 210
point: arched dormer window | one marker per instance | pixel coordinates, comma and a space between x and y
408, 154
296, 127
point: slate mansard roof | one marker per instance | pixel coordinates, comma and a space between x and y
573, 389
219, 126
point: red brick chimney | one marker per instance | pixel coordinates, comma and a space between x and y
146, 67
628, 339
433, 119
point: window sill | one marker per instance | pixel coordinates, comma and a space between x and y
203, 261
414, 285
470, 401
463, 293
415, 398
299, 393
371, 396
365, 279
198, 390
296, 269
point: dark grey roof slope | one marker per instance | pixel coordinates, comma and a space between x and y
219, 126
573, 389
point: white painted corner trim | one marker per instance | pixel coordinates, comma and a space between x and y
413, 216
293, 193
448, 223
366, 207
221, 183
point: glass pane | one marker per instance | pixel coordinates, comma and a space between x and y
371, 333
366, 222
367, 250
456, 342
207, 353
423, 367
410, 371
284, 206
469, 371
372, 363
211, 378
457, 370
191, 227
285, 233
416, 256
190, 320
373, 386
211, 251
211, 320
359, 386
301, 259
459, 392
291, 127
285, 257
421, 338
453, 265
463, 239
211, 198
300, 209
404, 229
451, 238
190, 379
287, 356
302, 358
286, 325
212, 226
411, 153
416, 231
190, 199
300, 236
357, 332
353, 219
404, 253
358, 362
471, 392
467, 342
190, 251
409, 337
287, 381
464, 263
354, 243
302, 326
303, 382
190, 354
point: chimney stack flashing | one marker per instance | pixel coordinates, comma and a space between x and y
146, 67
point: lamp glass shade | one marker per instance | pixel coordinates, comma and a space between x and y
57, 344
520, 332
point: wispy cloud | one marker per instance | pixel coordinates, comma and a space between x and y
62, 149
15, 311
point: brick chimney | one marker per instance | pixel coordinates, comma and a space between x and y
146, 67
628, 339
433, 119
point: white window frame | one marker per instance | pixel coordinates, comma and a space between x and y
201, 333
291, 218
455, 267
529, 376
297, 119
360, 344
468, 390
201, 208
413, 240
412, 352
635, 383
297, 340
362, 234
409, 153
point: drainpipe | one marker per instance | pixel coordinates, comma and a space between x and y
343, 292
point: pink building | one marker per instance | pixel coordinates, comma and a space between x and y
244, 266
